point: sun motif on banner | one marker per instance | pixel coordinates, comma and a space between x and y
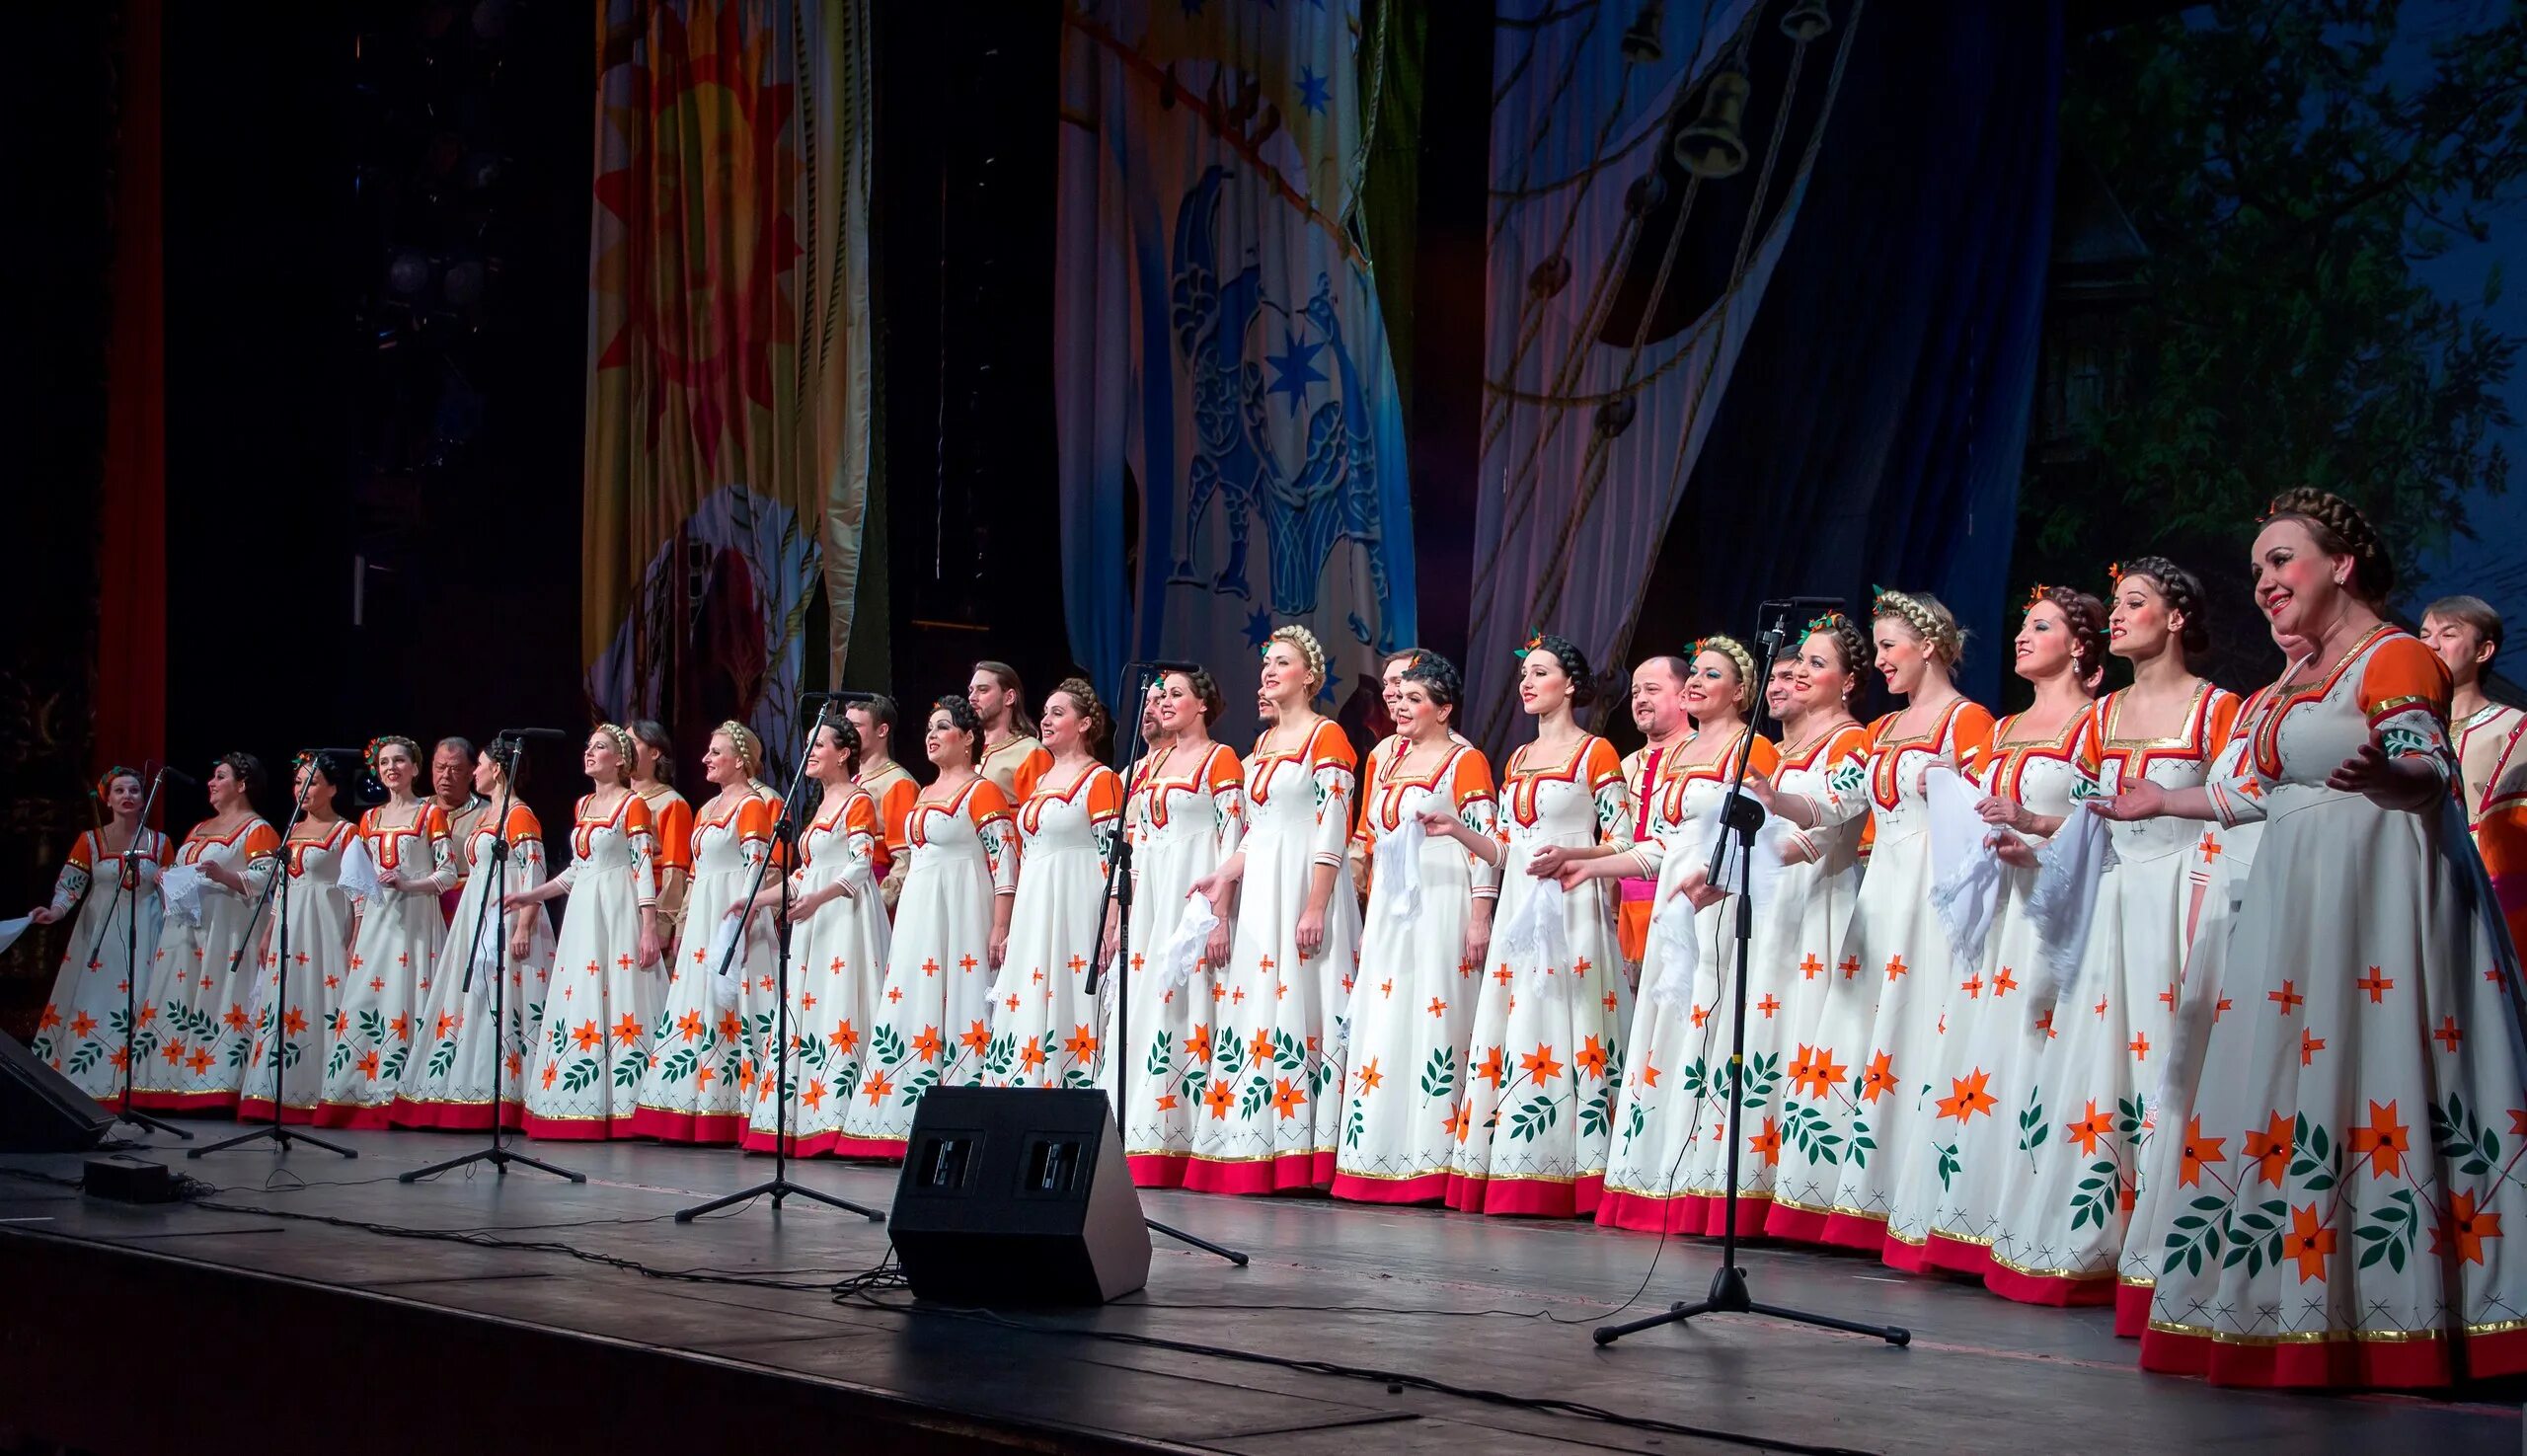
697, 281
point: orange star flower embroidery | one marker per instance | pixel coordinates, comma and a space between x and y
2270, 1149
1539, 1064
877, 1087
1370, 1077
81, 1024
2308, 1244
628, 1030
1591, 1059
689, 1025
2465, 1229
200, 1061
1880, 1079
929, 1044
1816, 1074
173, 1051
975, 1039
1966, 1096
1259, 1048
1285, 1098
1493, 1069
1459, 1122
1217, 1098
2090, 1129
446, 1023
729, 1026
587, 1036
1198, 1044
846, 1040
235, 1020
1081, 1044
550, 1072
368, 1067
1767, 1142
2385, 1140
814, 1095
295, 1023
2196, 1153
1032, 1055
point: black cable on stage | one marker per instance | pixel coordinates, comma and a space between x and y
1394, 1380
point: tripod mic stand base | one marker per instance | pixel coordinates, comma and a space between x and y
779, 1189
148, 1123
1728, 1296
1206, 1245
281, 1138
499, 1157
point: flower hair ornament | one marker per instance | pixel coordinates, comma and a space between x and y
1930, 626
384, 742
2036, 596
104, 784
1831, 622
1534, 644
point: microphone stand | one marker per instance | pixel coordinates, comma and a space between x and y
127, 893
1740, 817
281, 1136
1117, 903
785, 836
497, 1156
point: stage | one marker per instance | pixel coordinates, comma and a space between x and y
257, 1326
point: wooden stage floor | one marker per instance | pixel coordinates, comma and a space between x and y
257, 1327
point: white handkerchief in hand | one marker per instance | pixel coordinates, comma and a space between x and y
1535, 933
1184, 950
181, 885
1965, 884
1671, 930
10, 930
727, 972
1396, 864
2070, 867
358, 872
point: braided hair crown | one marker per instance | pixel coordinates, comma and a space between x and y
2340, 530
2183, 592
1735, 652
1438, 676
1574, 663
1851, 643
1083, 696
1303, 642
961, 715
2087, 617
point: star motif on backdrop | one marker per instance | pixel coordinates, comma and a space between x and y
1259, 629
1294, 369
1325, 694
1313, 93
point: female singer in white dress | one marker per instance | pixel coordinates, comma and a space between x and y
1045, 1021
930, 1024
1895, 936
191, 1046
1424, 944
1671, 1121
317, 918
838, 938
120, 914
2219, 861
1987, 1114
1270, 1115
1184, 814
1821, 789
451, 1087
715, 1025
2061, 1209
394, 960
1553, 1006
2356, 1101
609, 984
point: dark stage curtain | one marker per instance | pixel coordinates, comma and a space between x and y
1877, 423
131, 619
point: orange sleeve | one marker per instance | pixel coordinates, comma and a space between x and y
2221, 721
2402, 674
1472, 781
1330, 746
635, 819
83, 852
1223, 771
2088, 746
1601, 766
901, 798
861, 817
1105, 795
261, 841
987, 803
1031, 772
754, 819
672, 828
522, 824
1763, 756
1973, 732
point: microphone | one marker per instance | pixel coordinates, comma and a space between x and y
180, 776
353, 754
1802, 603
1166, 665
554, 734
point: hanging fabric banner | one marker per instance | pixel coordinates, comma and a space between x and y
1231, 436
729, 386
1648, 163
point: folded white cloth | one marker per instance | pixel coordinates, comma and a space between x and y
10, 930
1397, 865
358, 872
1184, 950
1965, 883
182, 884
1671, 930
727, 972
2069, 869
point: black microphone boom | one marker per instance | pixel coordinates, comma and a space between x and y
180, 776
554, 734
1166, 665
1806, 601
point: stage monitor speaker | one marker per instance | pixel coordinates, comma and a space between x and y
1018, 1196
40, 1110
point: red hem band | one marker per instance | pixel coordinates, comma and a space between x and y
182, 1103
2055, 1291
1855, 1231
718, 1129
577, 1129
1794, 1225
355, 1116
449, 1117
1287, 1173
2406, 1364
1426, 1188
2132, 1309
260, 1110
1158, 1169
